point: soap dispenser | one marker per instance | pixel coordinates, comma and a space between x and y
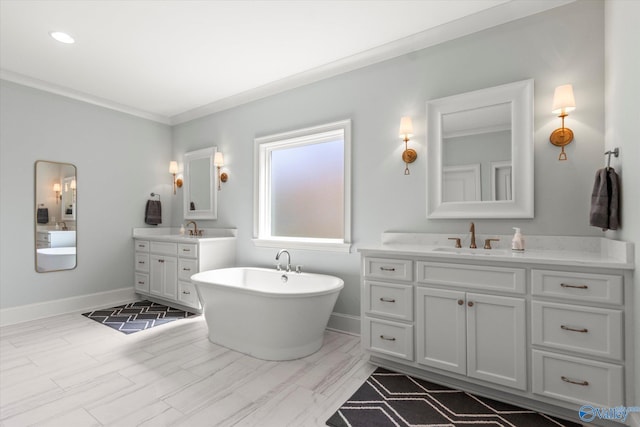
517, 244
182, 229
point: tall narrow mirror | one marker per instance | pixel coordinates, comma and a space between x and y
200, 196
55, 199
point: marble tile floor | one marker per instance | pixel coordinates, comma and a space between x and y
71, 371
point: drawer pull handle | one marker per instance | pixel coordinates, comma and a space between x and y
387, 269
383, 299
567, 328
568, 380
470, 303
186, 269
186, 292
140, 283
186, 250
161, 260
141, 262
387, 338
141, 246
460, 302
564, 285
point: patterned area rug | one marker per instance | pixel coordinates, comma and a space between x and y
137, 316
389, 399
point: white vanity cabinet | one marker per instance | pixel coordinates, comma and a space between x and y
577, 332
164, 266
549, 336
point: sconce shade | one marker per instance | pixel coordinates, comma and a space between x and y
218, 159
173, 167
563, 100
406, 128
56, 187
73, 184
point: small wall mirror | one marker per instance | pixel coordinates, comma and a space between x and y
200, 196
480, 161
55, 208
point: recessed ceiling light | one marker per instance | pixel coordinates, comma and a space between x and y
62, 37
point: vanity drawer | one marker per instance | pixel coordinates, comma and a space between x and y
187, 250
577, 286
43, 236
187, 268
385, 268
577, 380
389, 300
390, 338
142, 245
164, 248
142, 282
187, 295
142, 262
587, 330
473, 276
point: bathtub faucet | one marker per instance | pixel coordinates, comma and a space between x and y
280, 252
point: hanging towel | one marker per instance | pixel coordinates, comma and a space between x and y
153, 212
43, 215
605, 200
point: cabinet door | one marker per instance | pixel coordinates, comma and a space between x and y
496, 345
164, 276
441, 337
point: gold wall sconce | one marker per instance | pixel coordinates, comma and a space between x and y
563, 103
173, 170
57, 189
218, 162
409, 155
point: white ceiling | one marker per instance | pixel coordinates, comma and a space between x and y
175, 60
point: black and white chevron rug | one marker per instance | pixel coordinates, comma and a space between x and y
137, 316
389, 399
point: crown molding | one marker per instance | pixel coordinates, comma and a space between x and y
80, 96
501, 14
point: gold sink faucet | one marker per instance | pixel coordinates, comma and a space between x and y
195, 231
472, 229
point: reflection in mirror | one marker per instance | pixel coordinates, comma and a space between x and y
480, 146
476, 154
200, 197
55, 216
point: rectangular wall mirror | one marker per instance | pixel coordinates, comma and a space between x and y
480, 145
200, 194
55, 197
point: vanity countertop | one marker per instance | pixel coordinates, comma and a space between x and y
167, 234
593, 252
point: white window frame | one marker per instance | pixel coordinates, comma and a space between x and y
262, 170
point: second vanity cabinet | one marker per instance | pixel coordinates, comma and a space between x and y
544, 336
164, 268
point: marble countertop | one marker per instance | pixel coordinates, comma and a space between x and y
551, 250
172, 234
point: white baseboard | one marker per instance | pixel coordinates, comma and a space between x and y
344, 323
25, 313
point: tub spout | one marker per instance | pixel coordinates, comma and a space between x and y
280, 252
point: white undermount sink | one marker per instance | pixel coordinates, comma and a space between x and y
469, 251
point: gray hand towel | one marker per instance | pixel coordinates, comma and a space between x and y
605, 200
153, 212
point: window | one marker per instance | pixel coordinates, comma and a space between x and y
302, 189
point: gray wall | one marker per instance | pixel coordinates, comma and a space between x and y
120, 159
564, 45
622, 131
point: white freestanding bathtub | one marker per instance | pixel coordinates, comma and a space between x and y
53, 259
266, 313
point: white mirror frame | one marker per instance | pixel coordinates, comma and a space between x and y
520, 95
211, 212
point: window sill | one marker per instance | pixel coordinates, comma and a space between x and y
309, 244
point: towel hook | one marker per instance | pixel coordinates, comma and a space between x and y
154, 194
615, 152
